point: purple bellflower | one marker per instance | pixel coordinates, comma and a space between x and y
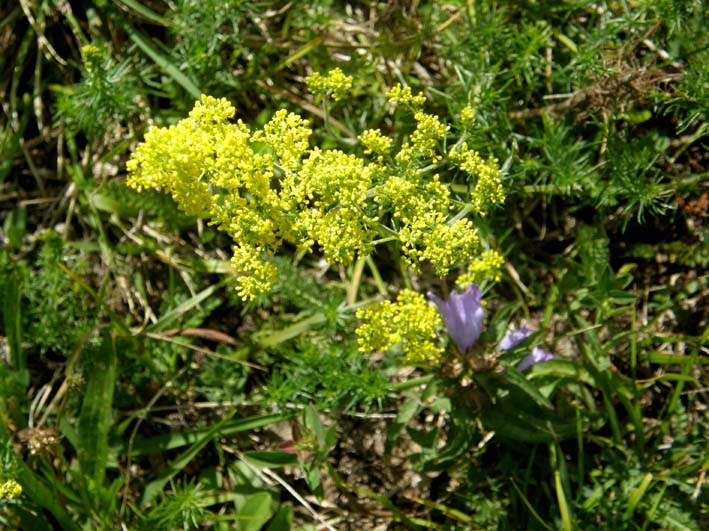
512, 339
463, 315
538, 355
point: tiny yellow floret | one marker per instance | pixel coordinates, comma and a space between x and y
410, 322
91, 54
375, 142
488, 190
429, 132
403, 95
422, 212
336, 84
467, 115
488, 266
10, 489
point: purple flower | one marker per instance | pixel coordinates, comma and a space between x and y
512, 339
463, 314
538, 355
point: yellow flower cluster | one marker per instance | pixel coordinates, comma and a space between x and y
488, 266
410, 321
262, 188
269, 187
335, 83
331, 195
429, 131
424, 140
404, 96
212, 170
10, 489
91, 55
467, 115
421, 215
181, 159
375, 143
488, 190
288, 135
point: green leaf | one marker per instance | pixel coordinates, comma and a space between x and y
636, 496
674, 359
516, 379
35, 522
563, 369
44, 496
271, 338
563, 503
108, 203
15, 225
170, 69
406, 412
521, 426
255, 512
311, 470
282, 520
12, 319
426, 439
327, 443
266, 459
311, 419
457, 444
95, 417
300, 52
441, 404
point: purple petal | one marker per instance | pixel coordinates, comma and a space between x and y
538, 355
512, 339
463, 315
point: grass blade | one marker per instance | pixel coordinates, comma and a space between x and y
44, 496
561, 497
12, 320
175, 73
168, 320
636, 496
162, 443
95, 418
145, 12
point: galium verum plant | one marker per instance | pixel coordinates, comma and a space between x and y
269, 186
